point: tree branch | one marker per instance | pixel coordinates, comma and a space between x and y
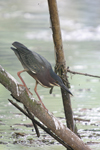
38, 111
85, 74
60, 67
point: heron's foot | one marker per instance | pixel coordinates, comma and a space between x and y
27, 90
40, 103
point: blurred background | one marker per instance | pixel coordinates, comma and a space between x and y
28, 22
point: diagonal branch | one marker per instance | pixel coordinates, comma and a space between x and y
45, 117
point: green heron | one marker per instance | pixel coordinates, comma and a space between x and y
38, 67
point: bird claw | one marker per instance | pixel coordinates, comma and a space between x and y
40, 103
27, 90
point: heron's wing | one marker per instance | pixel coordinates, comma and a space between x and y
36, 63
30, 60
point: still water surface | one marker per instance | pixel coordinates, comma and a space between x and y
28, 22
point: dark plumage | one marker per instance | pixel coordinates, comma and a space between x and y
38, 67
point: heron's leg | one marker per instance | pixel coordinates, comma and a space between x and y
35, 89
27, 90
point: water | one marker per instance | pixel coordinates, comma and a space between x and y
28, 22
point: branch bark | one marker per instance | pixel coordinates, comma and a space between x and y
60, 62
45, 117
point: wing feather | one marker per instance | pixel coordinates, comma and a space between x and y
30, 60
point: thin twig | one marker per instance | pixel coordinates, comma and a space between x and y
35, 126
32, 119
47, 130
25, 113
85, 74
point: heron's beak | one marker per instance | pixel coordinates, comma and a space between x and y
66, 89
